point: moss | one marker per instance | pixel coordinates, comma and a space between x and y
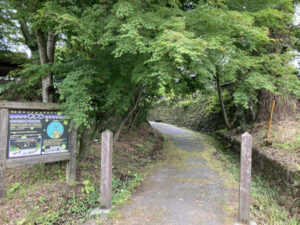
178, 157
211, 145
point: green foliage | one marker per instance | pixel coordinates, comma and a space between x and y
12, 57
113, 50
122, 189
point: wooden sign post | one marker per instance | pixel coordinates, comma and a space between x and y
71, 163
3, 149
245, 179
35, 133
106, 169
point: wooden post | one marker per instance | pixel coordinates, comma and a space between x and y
71, 164
106, 169
3, 149
245, 179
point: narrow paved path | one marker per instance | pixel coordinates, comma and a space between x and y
186, 190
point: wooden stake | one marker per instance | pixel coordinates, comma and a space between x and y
106, 169
71, 164
245, 179
3, 149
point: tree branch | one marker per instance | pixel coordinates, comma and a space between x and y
28, 37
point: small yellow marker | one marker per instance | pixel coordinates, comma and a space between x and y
271, 115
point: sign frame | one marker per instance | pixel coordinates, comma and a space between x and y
5, 162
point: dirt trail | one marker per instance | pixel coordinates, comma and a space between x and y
186, 190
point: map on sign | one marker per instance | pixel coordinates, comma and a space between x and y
36, 133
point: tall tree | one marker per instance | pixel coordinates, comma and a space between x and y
37, 33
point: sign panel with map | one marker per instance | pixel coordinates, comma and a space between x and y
36, 133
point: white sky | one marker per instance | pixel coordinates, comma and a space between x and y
296, 61
297, 15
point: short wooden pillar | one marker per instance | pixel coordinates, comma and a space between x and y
106, 169
3, 149
71, 164
245, 179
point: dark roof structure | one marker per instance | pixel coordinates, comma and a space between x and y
10, 61
6, 67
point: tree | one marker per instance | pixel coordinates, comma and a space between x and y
246, 50
116, 55
276, 17
222, 41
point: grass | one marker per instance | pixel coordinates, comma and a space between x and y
291, 145
269, 206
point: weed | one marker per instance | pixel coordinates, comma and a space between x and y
42, 199
13, 188
87, 187
21, 222
139, 145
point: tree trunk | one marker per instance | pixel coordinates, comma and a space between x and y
51, 41
50, 53
225, 118
285, 108
42, 47
46, 52
135, 116
86, 142
118, 132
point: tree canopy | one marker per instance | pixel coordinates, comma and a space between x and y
110, 57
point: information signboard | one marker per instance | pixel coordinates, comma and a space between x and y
36, 132
30, 133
